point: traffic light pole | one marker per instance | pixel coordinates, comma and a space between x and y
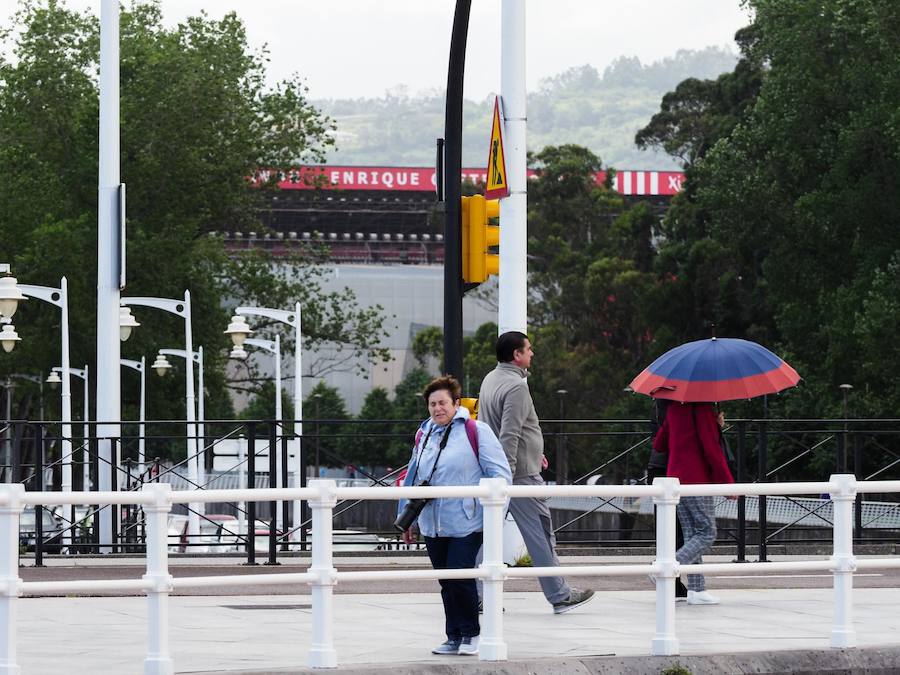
453, 282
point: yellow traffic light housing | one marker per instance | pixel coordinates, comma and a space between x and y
479, 236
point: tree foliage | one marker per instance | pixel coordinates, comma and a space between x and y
196, 121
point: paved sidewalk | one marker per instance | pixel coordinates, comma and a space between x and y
265, 634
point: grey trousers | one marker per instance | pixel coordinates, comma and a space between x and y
533, 518
697, 516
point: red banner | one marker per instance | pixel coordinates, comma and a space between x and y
421, 179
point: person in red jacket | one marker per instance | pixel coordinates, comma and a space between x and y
691, 436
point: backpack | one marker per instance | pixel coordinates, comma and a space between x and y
471, 432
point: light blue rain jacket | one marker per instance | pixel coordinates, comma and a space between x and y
458, 465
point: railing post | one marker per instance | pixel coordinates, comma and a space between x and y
491, 646
273, 505
38, 487
321, 652
11, 495
665, 642
761, 464
858, 471
742, 500
843, 562
159, 661
251, 485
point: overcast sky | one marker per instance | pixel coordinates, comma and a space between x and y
353, 48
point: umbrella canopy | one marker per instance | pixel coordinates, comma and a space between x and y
717, 369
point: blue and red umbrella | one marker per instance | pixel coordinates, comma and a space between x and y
717, 369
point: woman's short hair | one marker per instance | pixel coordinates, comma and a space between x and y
448, 382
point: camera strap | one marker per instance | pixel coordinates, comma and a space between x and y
441, 447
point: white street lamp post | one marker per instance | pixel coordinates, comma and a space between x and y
200, 468
292, 319
86, 429
59, 297
181, 308
141, 367
274, 347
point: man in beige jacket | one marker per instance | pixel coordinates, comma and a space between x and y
505, 404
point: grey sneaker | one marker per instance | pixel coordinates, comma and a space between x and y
449, 647
576, 599
468, 646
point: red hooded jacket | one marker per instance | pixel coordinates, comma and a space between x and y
690, 434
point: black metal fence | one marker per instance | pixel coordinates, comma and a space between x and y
607, 451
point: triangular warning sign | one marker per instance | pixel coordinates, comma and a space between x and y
497, 183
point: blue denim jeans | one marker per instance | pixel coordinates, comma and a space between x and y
460, 597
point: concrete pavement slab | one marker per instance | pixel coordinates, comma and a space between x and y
272, 633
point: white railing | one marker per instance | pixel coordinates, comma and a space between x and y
322, 495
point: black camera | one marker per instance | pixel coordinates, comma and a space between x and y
411, 511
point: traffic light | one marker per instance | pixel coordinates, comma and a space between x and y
479, 236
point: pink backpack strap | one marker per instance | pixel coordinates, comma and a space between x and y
472, 433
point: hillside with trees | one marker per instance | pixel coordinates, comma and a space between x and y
599, 111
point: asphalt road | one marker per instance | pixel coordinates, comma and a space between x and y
874, 578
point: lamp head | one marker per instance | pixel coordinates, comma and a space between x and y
161, 365
238, 329
54, 379
10, 296
237, 353
9, 337
126, 323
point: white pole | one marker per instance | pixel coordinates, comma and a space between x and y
492, 647
142, 419
321, 652
242, 485
513, 311
665, 642
108, 375
66, 445
843, 634
158, 661
9, 572
201, 428
279, 415
194, 508
85, 450
298, 414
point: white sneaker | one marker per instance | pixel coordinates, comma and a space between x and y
701, 598
468, 646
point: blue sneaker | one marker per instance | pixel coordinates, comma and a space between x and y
468, 646
449, 647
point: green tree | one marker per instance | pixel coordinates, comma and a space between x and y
801, 194
197, 120
324, 412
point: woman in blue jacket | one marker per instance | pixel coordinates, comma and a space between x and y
451, 449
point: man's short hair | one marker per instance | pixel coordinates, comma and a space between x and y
447, 382
508, 343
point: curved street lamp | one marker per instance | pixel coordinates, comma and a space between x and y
200, 469
141, 367
273, 347
181, 308
239, 330
58, 297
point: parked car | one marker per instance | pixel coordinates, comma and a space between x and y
218, 534
51, 531
177, 533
